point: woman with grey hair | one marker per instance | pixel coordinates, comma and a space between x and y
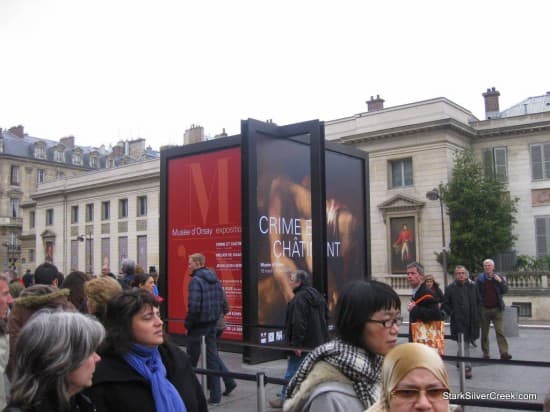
55, 359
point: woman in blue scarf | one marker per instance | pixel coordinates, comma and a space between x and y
140, 371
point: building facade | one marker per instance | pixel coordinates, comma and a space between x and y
411, 151
99, 219
26, 162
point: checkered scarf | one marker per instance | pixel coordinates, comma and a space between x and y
361, 367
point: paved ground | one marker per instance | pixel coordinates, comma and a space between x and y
533, 343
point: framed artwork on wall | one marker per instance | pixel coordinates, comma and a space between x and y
402, 243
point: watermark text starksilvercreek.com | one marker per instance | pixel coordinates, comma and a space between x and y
491, 396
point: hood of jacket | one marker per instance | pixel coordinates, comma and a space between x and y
58, 297
311, 295
206, 274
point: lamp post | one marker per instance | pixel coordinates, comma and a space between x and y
88, 238
435, 195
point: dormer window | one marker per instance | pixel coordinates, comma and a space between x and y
59, 155
77, 157
94, 161
39, 150
110, 163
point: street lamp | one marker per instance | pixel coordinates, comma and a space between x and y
88, 238
435, 195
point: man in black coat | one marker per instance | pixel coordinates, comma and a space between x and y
462, 302
424, 306
306, 324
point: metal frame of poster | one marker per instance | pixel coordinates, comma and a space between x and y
201, 213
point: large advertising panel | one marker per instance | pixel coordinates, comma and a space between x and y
204, 216
345, 217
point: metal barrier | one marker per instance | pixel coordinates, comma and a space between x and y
262, 380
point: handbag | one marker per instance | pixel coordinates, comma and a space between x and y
430, 333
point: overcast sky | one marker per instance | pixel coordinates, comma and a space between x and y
106, 70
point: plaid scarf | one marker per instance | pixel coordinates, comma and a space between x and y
361, 367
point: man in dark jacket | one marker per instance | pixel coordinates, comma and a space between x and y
423, 306
128, 269
462, 302
492, 286
205, 305
305, 325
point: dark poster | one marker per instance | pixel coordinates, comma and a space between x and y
345, 208
283, 227
403, 245
204, 216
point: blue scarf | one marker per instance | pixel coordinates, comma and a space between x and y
147, 362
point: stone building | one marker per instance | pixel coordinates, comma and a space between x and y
411, 149
99, 219
26, 162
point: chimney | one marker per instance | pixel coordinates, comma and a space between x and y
375, 105
18, 131
194, 134
491, 103
118, 150
222, 134
68, 142
136, 148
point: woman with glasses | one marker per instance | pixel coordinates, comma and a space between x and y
414, 378
344, 374
139, 370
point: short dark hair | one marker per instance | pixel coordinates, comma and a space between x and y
118, 318
416, 265
140, 279
358, 302
304, 277
46, 273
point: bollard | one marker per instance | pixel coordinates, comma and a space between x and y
462, 365
260, 389
204, 378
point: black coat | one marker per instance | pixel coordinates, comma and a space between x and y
118, 387
463, 302
306, 323
427, 309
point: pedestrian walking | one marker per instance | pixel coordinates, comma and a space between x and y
492, 286
306, 324
462, 303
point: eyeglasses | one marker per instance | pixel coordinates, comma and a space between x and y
412, 394
388, 323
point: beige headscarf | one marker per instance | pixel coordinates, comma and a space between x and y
400, 361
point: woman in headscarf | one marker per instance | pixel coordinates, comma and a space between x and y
344, 374
413, 378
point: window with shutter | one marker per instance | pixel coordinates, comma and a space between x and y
542, 232
540, 161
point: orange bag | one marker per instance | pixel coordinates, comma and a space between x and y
431, 333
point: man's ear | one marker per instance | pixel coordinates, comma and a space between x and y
55, 282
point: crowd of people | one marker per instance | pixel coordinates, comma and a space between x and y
82, 343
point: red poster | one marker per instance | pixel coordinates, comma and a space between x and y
204, 216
